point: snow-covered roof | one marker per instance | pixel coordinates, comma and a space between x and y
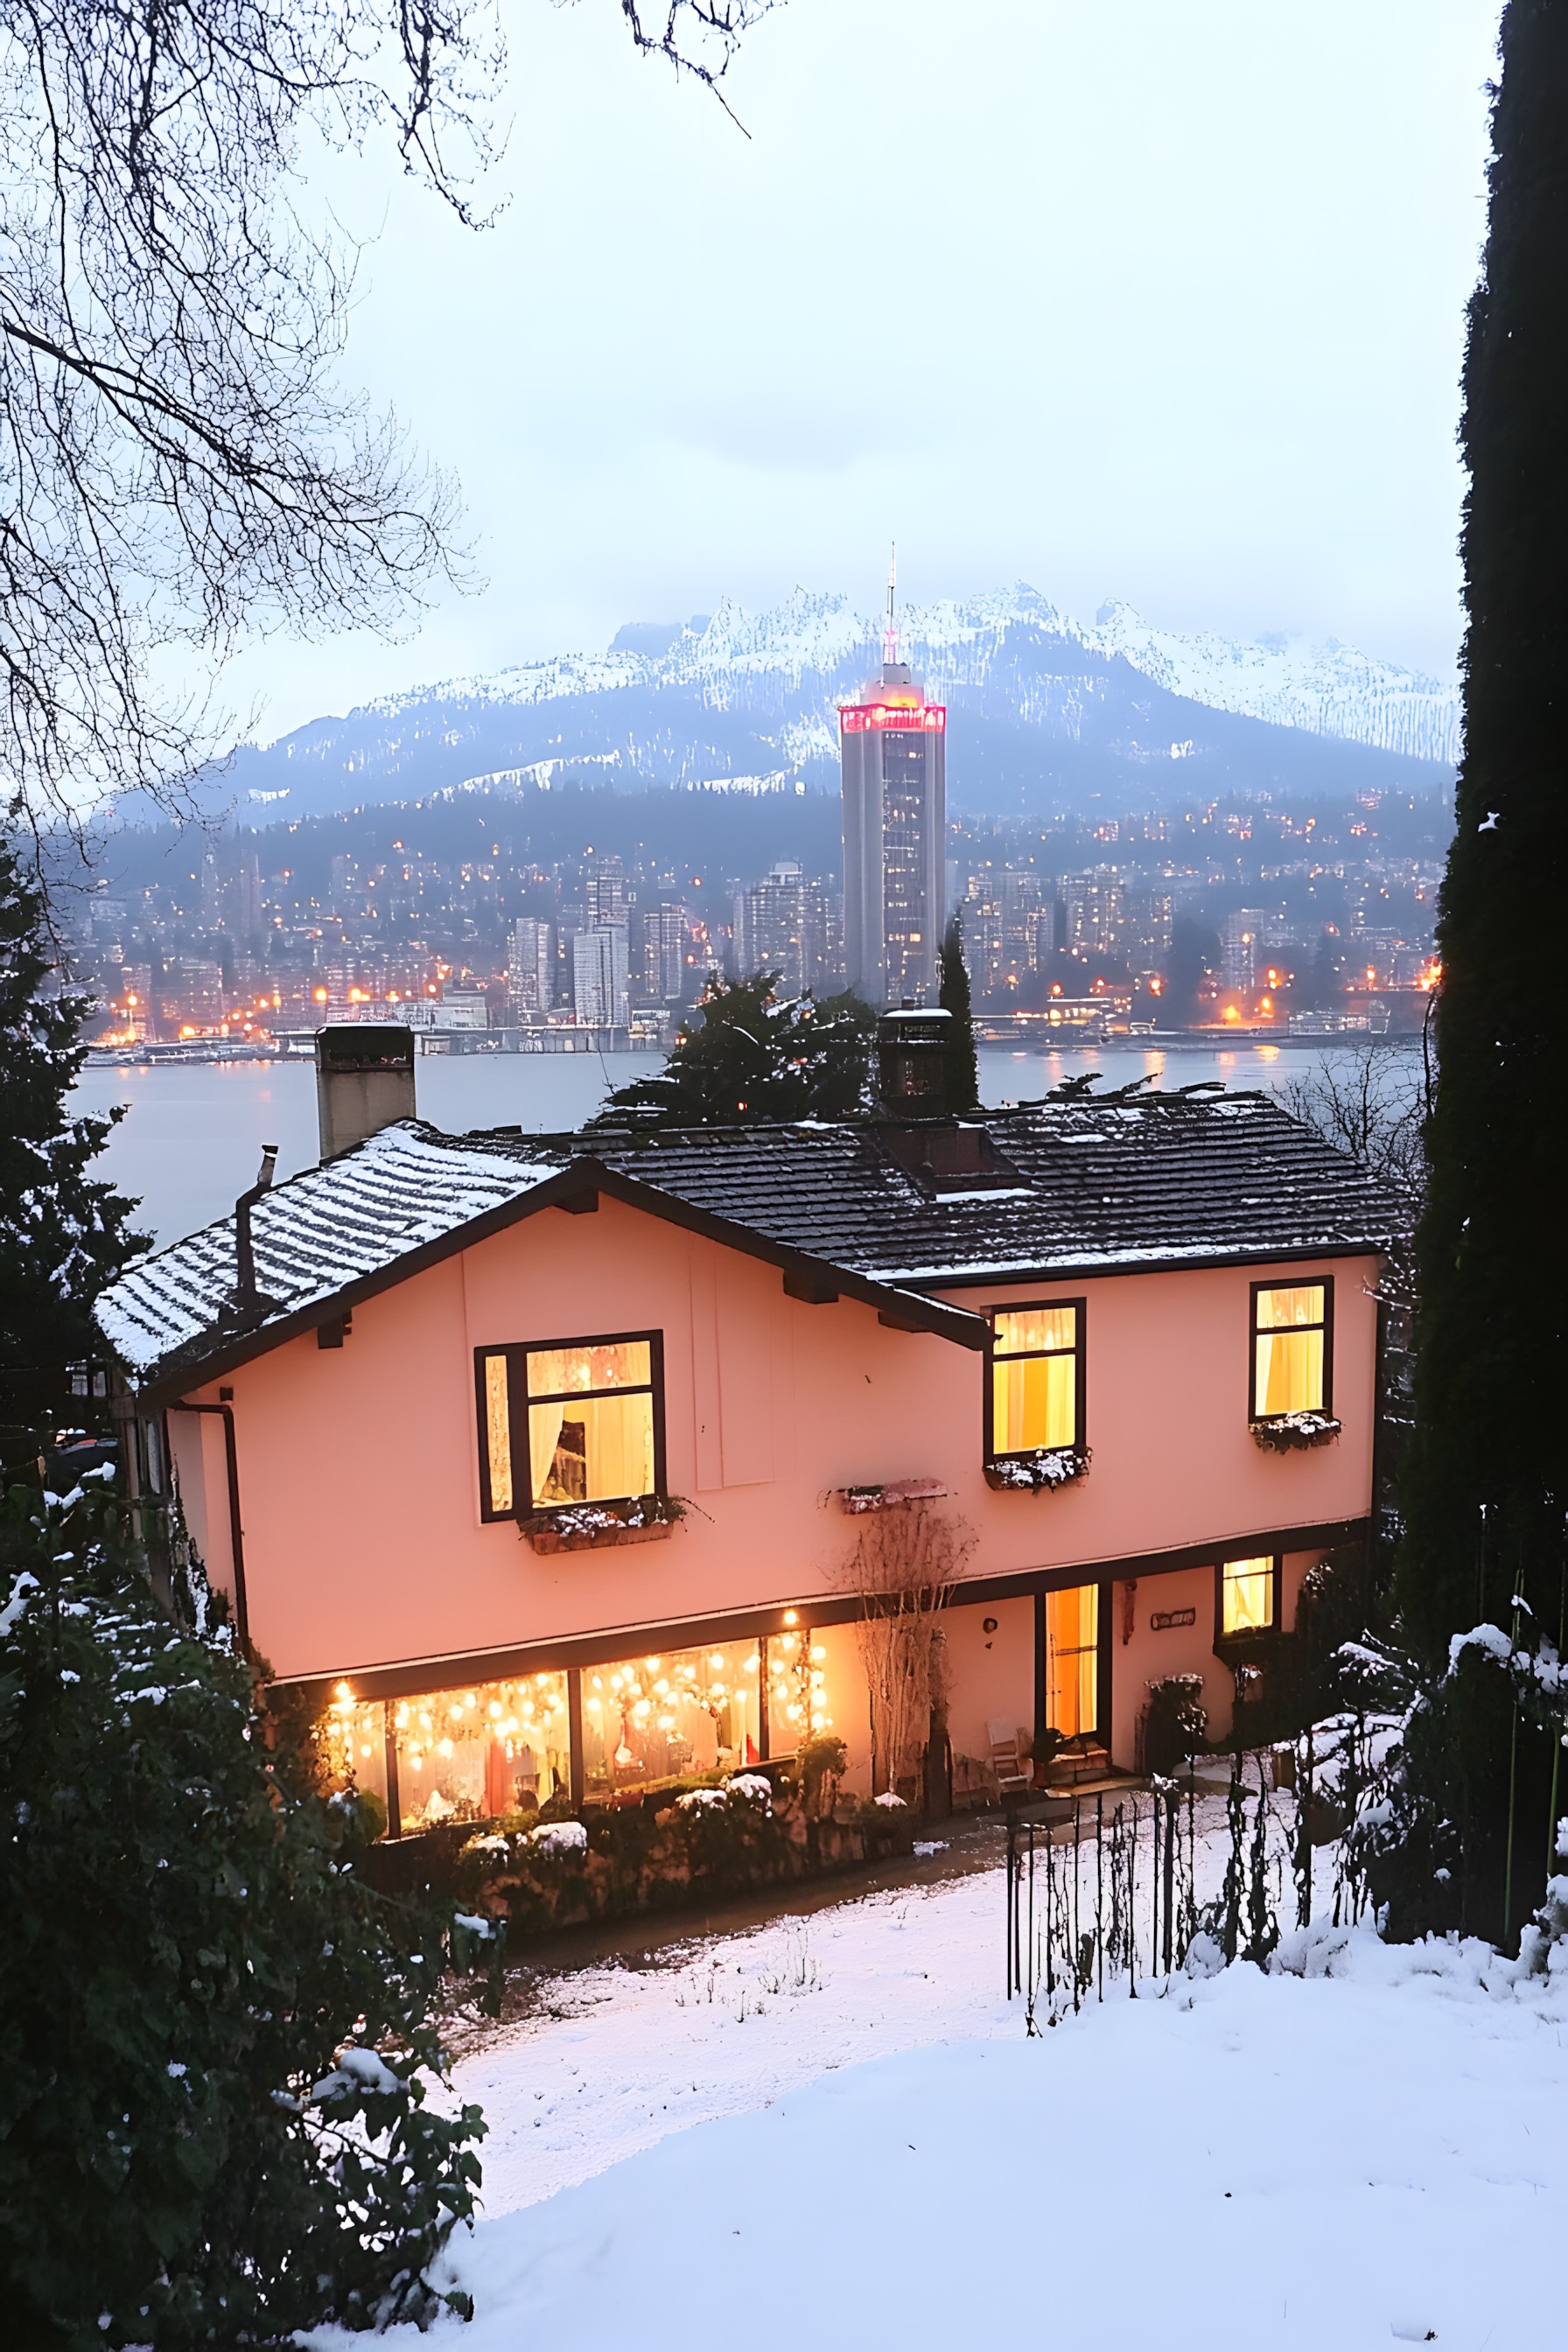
408, 1187
1168, 1180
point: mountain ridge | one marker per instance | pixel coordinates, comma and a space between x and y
1045, 711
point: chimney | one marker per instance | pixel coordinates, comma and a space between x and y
248, 1301
364, 1080
912, 1047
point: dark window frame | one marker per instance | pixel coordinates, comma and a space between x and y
1080, 1382
1225, 1643
517, 1352
1323, 1282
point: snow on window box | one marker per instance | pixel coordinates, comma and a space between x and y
1040, 1473
1293, 1432
855, 1499
587, 1527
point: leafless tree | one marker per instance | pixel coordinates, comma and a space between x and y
1368, 1100
180, 462
906, 1559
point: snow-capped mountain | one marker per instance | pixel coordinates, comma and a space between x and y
1045, 711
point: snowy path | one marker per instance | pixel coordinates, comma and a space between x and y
833, 2131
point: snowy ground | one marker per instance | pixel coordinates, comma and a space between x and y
834, 2132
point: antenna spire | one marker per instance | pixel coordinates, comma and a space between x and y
890, 634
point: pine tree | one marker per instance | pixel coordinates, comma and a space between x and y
754, 1058
1486, 1490
952, 995
215, 2043
63, 1231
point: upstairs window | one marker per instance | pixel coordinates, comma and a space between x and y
1249, 1598
577, 1421
1292, 1352
1036, 1378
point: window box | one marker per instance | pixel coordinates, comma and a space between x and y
592, 1527
1040, 1473
855, 1499
1294, 1432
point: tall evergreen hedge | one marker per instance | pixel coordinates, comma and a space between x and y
1486, 1490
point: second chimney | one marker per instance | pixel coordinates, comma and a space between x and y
364, 1080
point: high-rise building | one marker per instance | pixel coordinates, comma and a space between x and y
530, 965
609, 893
892, 748
780, 924
1244, 948
601, 997
662, 975
1096, 913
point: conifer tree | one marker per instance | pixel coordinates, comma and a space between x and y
952, 995
1486, 1490
754, 1057
217, 2043
64, 1233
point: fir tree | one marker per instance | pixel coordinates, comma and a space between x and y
215, 2043
754, 1058
63, 1231
952, 995
1486, 1486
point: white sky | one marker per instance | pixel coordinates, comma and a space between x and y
1155, 298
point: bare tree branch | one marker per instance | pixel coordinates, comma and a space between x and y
180, 464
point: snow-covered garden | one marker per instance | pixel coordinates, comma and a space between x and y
834, 2130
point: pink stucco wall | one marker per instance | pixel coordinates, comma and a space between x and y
358, 1466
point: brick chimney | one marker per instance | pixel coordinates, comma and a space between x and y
912, 1047
364, 1080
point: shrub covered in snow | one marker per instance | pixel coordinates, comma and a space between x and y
215, 2043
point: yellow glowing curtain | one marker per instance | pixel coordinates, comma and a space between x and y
497, 1433
1246, 1587
1033, 1379
1072, 1659
599, 1450
585, 1447
1287, 1374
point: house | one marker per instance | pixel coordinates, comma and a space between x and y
544, 1462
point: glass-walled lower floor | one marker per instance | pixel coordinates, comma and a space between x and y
469, 1754
485, 1750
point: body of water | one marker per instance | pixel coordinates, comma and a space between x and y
191, 1137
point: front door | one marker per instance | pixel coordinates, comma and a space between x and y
1072, 1659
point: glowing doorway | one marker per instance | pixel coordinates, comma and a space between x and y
1072, 1659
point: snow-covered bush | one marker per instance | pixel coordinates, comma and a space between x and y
215, 2043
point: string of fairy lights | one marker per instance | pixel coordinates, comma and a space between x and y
529, 1717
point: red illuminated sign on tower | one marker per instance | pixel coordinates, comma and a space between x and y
927, 719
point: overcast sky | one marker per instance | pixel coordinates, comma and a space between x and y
1153, 299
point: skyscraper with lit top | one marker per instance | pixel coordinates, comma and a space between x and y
892, 746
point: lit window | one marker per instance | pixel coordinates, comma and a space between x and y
1290, 1353
1245, 1597
477, 1753
1036, 1365
573, 1422
648, 1720
1072, 1659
